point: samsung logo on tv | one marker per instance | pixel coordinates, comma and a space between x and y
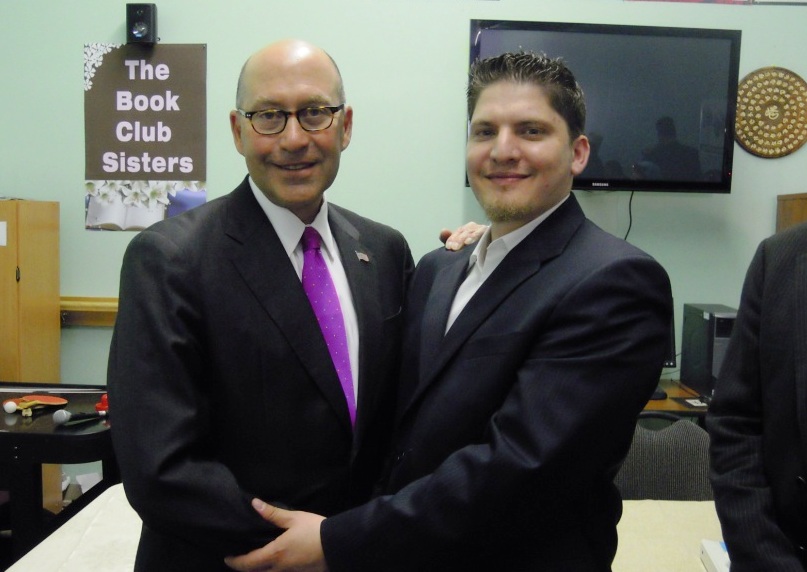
600, 184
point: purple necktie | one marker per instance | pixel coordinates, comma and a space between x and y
321, 293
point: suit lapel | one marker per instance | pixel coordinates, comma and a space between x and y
438, 305
262, 262
800, 350
545, 242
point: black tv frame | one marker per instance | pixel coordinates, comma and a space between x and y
719, 185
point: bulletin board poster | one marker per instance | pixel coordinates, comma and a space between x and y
145, 133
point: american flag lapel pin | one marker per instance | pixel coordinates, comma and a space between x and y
362, 256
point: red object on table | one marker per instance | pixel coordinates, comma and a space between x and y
103, 405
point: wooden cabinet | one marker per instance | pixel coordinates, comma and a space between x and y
790, 210
29, 291
30, 326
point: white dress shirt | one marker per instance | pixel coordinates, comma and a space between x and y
290, 229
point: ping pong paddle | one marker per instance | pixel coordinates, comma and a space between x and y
29, 401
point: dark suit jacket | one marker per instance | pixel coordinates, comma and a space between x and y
758, 416
511, 427
221, 385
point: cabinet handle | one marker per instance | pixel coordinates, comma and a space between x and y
18, 273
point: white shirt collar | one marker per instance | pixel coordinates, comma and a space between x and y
509, 241
289, 228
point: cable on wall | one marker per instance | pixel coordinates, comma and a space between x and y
630, 215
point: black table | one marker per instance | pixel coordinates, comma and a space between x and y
26, 443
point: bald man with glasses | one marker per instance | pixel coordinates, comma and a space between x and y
225, 382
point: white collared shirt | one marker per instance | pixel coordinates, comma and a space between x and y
290, 229
486, 257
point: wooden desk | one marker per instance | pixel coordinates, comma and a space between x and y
675, 403
26, 443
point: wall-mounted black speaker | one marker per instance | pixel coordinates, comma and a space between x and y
141, 24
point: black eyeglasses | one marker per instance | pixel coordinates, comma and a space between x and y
273, 121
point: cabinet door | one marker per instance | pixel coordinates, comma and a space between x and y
9, 304
790, 210
39, 318
29, 291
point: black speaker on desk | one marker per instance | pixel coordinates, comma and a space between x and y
707, 329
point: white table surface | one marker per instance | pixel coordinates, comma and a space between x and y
662, 536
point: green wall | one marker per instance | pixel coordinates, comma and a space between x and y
404, 64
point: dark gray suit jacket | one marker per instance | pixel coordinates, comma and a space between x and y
511, 427
758, 416
221, 385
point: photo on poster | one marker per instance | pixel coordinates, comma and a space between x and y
145, 123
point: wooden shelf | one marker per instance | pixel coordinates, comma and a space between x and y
81, 311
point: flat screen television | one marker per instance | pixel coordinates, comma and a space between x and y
660, 101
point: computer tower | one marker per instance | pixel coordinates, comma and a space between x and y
705, 338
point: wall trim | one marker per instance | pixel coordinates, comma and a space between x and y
84, 311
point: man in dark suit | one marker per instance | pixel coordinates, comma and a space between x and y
757, 419
220, 379
525, 365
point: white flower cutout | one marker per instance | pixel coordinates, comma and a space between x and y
93, 58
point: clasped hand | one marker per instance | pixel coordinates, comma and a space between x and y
298, 549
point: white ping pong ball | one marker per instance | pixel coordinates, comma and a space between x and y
10, 406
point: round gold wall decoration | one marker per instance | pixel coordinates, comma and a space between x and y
771, 112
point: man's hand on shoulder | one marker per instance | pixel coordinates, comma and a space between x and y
467, 234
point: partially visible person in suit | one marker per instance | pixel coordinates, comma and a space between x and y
220, 378
757, 419
526, 362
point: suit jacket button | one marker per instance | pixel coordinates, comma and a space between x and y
400, 456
